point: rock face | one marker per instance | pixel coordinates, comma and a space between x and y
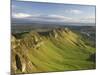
35, 52
20, 48
18, 62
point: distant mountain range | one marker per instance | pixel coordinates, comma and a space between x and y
50, 23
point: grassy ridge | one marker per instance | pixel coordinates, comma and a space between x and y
58, 50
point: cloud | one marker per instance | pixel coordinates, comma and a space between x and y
44, 18
89, 19
51, 18
59, 17
74, 11
21, 15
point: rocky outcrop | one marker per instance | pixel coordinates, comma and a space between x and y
20, 49
27, 50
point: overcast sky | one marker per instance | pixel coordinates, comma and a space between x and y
50, 12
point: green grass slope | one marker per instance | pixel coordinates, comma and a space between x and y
56, 50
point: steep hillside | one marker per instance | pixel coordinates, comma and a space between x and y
56, 50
